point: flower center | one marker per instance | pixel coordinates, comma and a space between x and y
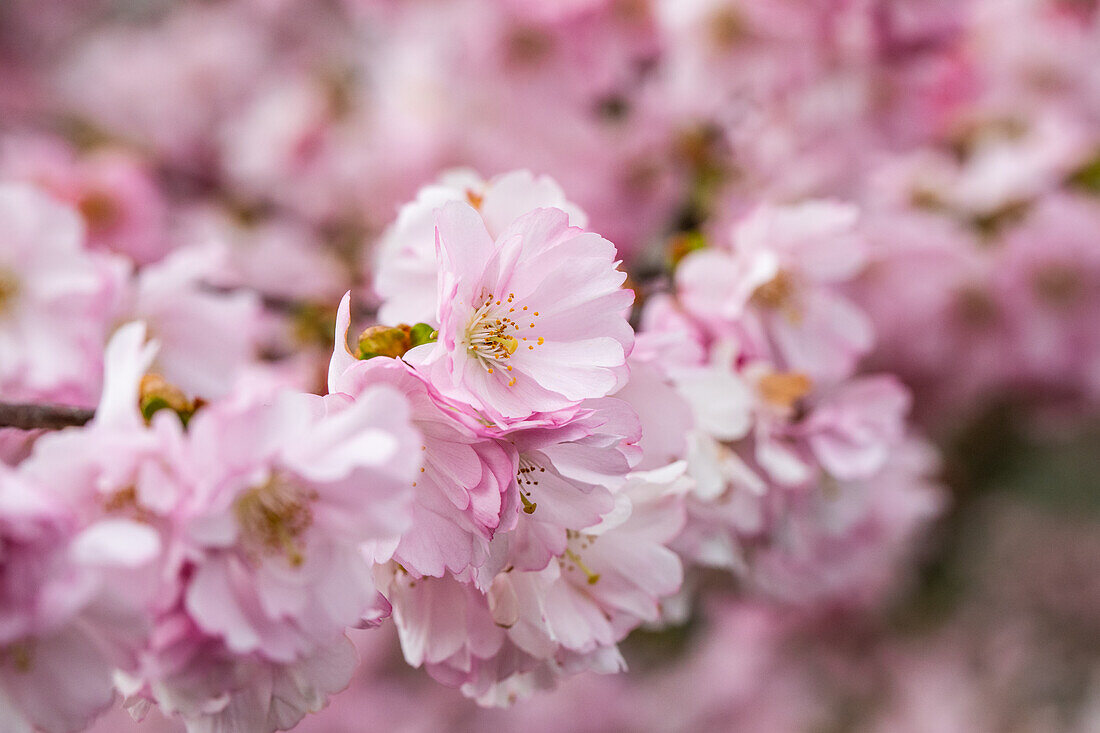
9, 289
775, 292
784, 389
273, 517
526, 477
20, 654
494, 333
572, 560
100, 210
778, 294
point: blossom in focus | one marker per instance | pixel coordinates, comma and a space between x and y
405, 273
464, 489
531, 322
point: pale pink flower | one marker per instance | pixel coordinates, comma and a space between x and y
287, 492
569, 466
261, 507
55, 300
213, 689
165, 85
464, 490
853, 428
1047, 282
207, 338
530, 628
530, 323
846, 541
72, 606
406, 266
780, 279
112, 188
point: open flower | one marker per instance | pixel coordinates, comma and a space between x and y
406, 270
55, 300
779, 285
463, 492
533, 322
293, 487
71, 602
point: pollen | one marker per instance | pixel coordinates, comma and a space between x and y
492, 336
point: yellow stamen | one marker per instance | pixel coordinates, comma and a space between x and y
593, 578
273, 517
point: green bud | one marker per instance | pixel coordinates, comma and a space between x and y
156, 394
391, 341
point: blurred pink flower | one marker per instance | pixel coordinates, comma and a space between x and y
55, 300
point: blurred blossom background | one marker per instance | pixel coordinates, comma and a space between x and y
236, 165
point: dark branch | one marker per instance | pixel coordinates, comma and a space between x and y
50, 417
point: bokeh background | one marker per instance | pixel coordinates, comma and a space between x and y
288, 132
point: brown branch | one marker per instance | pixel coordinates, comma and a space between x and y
50, 417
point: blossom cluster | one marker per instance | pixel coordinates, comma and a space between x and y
519, 479
517, 334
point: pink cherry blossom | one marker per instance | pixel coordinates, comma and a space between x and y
464, 491
71, 609
405, 272
287, 506
530, 323
780, 279
207, 338
55, 300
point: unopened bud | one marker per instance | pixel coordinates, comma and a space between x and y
156, 393
393, 341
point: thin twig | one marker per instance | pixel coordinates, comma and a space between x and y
50, 417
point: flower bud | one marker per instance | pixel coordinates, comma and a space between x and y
393, 341
156, 393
